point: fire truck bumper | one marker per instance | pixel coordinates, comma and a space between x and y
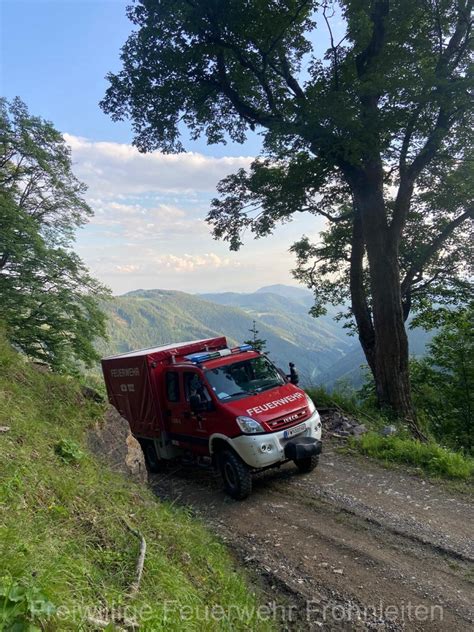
263, 450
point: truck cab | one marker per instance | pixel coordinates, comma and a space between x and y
209, 400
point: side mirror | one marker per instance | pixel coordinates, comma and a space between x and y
293, 377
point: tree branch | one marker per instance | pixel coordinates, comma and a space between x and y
407, 137
291, 82
431, 250
331, 218
333, 48
249, 65
408, 175
366, 57
244, 109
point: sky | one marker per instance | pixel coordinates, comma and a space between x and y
148, 229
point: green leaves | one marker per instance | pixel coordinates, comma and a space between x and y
49, 301
443, 381
221, 67
68, 451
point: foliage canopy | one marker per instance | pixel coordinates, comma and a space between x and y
49, 301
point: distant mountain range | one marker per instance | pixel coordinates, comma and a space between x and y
320, 348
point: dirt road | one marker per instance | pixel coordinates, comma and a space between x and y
350, 546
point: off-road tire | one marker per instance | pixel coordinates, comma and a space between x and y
308, 464
152, 459
235, 474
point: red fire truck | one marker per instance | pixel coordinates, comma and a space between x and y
204, 399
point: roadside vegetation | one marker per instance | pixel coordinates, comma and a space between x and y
66, 550
433, 457
429, 457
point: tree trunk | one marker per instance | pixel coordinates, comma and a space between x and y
390, 357
360, 307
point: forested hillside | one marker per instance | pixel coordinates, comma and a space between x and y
320, 347
150, 317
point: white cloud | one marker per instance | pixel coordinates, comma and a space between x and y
114, 169
149, 229
192, 263
147, 263
138, 223
128, 269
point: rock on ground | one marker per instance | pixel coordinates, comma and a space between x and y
111, 439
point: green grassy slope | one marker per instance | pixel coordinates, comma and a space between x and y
65, 550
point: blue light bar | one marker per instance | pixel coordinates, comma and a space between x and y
204, 356
197, 358
241, 348
246, 348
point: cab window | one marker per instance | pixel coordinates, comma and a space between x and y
240, 379
172, 386
193, 385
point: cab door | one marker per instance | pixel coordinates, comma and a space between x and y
187, 428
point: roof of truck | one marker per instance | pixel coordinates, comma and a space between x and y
229, 359
168, 347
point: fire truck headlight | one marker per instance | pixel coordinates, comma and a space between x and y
310, 404
249, 425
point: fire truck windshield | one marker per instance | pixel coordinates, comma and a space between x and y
242, 378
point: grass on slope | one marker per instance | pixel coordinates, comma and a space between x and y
429, 457
65, 551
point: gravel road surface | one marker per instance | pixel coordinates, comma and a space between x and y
352, 545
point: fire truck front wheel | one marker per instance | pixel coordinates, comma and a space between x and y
236, 475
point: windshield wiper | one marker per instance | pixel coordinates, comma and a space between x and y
239, 393
267, 388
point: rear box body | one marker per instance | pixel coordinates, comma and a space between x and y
134, 385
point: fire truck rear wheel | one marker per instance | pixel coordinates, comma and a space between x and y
236, 475
308, 464
152, 459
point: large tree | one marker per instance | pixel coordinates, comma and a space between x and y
49, 303
384, 116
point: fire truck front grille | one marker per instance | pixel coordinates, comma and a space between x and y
288, 420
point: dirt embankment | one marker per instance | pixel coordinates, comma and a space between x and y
350, 546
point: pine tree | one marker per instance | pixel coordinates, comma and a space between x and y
259, 344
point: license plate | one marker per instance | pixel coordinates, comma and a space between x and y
292, 432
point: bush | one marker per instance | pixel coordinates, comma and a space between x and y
23, 606
68, 451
